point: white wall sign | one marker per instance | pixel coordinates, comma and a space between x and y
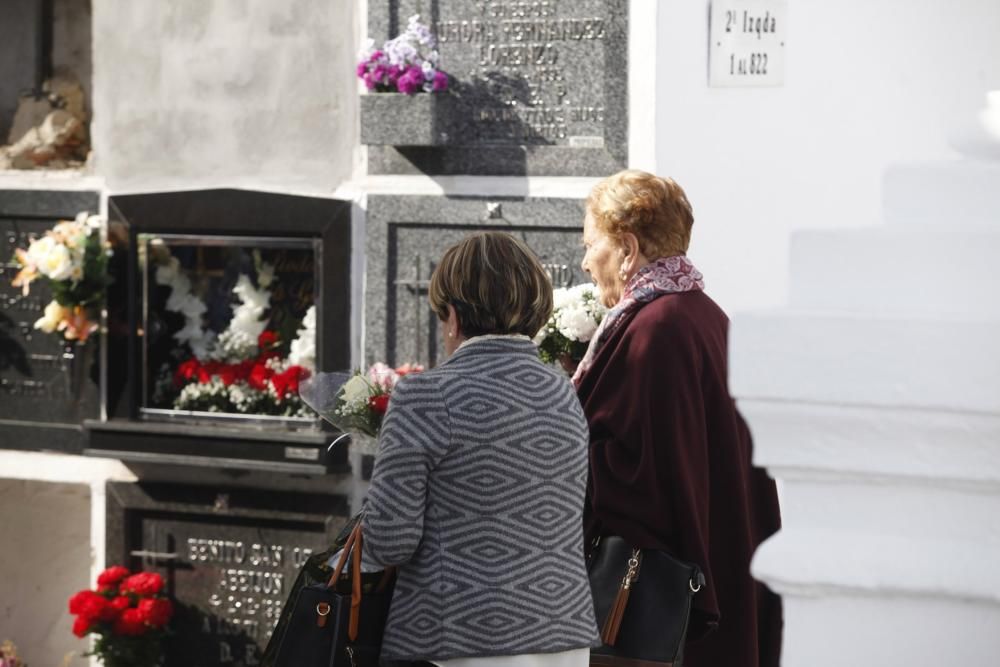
747, 45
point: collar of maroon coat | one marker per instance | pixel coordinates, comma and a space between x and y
666, 275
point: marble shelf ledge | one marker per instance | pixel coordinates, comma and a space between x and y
203, 445
56, 179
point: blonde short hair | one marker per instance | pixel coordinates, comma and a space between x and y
654, 209
496, 284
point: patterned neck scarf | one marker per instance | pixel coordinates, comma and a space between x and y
667, 275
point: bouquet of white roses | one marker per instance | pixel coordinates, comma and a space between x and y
576, 313
73, 260
355, 403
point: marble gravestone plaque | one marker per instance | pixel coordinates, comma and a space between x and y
407, 235
46, 387
541, 84
229, 558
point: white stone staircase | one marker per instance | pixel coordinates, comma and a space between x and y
874, 399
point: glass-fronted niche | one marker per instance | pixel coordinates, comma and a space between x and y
228, 326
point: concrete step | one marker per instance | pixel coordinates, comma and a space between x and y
890, 269
954, 449
866, 360
963, 194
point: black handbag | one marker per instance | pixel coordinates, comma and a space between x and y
337, 623
642, 600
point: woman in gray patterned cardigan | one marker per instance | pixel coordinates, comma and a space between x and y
477, 493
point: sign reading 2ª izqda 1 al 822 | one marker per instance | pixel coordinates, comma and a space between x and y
747, 43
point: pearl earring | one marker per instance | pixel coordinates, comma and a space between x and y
622, 274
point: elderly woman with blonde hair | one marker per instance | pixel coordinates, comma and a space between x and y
670, 456
477, 493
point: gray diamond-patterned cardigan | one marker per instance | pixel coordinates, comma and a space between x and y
477, 494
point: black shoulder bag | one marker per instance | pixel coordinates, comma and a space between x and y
642, 599
337, 623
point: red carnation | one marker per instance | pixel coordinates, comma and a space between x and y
267, 341
259, 375
91, 606
78, 601
120, 604
131, 623
109, 579
144, 583
156, 612
81, 626
287, 382
228, 374
379, 403
186, 372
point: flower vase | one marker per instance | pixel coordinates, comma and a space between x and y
395, 119
78, 356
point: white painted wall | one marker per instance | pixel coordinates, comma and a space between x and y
52, 516
867, 83
251, 93
45, 558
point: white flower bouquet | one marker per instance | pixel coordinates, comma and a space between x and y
73, 260
576, 313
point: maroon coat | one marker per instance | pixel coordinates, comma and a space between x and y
671, 469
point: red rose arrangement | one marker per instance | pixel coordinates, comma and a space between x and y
263, 383
129, 615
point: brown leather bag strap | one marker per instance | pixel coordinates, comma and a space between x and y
344, 554
352, 627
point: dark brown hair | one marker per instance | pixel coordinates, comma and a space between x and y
496, 284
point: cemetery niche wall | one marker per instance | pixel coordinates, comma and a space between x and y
222, 302
228, 557
48, 387
536, 88
406, 236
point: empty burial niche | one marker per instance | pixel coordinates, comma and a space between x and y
45, 84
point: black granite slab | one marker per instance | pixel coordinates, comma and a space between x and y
407, 235
542, 85
47, 387
228, 555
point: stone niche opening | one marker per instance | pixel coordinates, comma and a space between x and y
45, 84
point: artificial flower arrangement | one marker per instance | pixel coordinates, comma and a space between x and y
406, 64
356, 403
249, 368
576, 313
72, 260
129, 615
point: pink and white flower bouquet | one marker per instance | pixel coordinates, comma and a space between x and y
355, 403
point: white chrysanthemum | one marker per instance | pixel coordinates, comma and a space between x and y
576, 314
576, 323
